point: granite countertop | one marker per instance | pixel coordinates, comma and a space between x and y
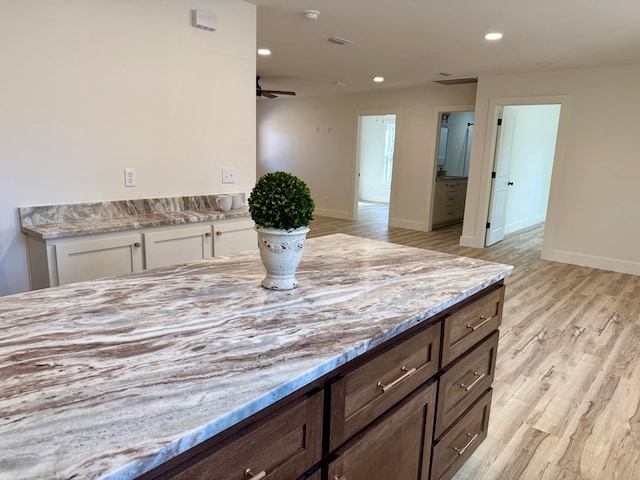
446, 178
66, 220
110, 378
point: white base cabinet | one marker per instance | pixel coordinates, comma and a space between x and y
87, 257
234, 236
177, 245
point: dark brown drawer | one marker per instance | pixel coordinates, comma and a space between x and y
283, 446
457, 445
467, 326
464, 382
395, 446
362, 395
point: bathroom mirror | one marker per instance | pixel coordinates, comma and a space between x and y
442, 146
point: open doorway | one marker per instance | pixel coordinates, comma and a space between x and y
453, 151
376, 146
523, 161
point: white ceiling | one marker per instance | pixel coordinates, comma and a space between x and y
410, 41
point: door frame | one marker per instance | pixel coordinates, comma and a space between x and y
356, 156
431, 190
473, 230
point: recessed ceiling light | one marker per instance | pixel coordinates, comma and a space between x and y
378, 79
493, 36
264, 51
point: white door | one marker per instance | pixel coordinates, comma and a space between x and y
500, 181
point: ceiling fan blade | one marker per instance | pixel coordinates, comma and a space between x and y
268, 94
279, 92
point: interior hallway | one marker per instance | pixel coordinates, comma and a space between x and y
566, 402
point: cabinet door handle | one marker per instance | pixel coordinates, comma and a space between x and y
336, 477
137, 244
208, 234
408, 373
462, 449
483, 321
218, 233
473, 384
254, 476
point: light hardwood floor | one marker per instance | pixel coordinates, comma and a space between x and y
566, 402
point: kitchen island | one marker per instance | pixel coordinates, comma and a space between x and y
114, 377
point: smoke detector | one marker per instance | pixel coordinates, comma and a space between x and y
311, 14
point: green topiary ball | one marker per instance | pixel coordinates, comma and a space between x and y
281, 200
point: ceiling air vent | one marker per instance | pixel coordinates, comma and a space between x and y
457, 81
340, 41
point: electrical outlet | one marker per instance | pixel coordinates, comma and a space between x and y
228, 175
129, 177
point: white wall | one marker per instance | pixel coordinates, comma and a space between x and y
532, 152
91, 87
593, 216
315, 138
373, 131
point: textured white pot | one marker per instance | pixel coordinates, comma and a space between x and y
281, 252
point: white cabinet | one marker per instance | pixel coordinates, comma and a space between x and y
90, 259
87, 257
177, 245
234, 236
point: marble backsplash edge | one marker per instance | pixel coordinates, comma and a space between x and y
75, 212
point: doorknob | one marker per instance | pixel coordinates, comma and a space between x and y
509, 183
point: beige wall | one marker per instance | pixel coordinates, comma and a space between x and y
91, 87
593, 216
315, 138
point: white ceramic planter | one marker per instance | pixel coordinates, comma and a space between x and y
281, 252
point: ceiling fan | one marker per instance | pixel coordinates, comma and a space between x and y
269, 93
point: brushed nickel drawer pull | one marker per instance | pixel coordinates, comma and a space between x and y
408, 373
468, 444
257, 476
218, 233
472, 384
483, 321
137, 244
208, 234
336, 477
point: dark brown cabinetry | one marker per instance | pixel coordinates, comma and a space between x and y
414, 408
280, 447
397, 445
362, 395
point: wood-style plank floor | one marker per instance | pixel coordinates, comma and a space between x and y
566, 402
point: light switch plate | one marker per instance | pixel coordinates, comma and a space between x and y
228, 175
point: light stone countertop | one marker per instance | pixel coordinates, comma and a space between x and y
110, 378
67, 220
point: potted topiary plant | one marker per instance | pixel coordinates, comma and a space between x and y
281, 206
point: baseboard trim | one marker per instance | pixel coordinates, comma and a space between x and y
472, 242
326, 212
522, 224
591, 261
408, 224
